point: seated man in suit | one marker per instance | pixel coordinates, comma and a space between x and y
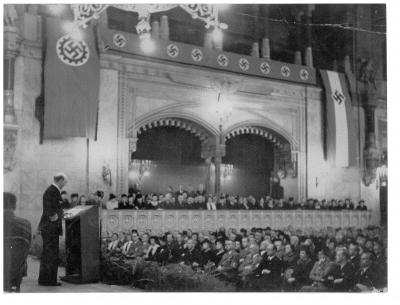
219, 251
367, 277
177, 248
343, 277
267, 276
113, 246
354, 255
299, 275
207, 255
164, 252
135, 249
380, 260
17, 239
191, 256
319, 274
127, 245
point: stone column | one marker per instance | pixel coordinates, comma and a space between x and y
164, 28
299, 31
11, 46
368, 94
310, 10
207, 182
219, 153
265, 49
217, 163
265, 9
308, 54
255, 50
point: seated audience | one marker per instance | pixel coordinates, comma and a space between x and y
252, 258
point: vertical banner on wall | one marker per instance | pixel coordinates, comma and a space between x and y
71, 82
341, 138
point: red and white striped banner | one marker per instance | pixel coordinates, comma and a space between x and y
341, 140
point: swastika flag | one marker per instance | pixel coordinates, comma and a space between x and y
341, 137
71, 82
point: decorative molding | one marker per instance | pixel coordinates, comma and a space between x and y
160, 221
269, 125
178, 123
122, 150
175, 113
177, 74
255, 131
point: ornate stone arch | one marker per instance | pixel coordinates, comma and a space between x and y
178, 123
264, 128
195, 122
277, 140
207, 134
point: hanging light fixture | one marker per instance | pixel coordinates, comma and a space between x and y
84, 13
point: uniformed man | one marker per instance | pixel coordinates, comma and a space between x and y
245, 249
229, 263
250, 262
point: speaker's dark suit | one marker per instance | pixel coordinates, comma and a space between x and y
50, 231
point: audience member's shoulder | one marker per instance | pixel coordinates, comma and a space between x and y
23, 221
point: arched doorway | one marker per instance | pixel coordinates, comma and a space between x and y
169, 152
247, 165
260, 161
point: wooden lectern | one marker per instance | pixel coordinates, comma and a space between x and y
82, 245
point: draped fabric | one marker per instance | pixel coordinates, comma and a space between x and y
71, 82
341, 137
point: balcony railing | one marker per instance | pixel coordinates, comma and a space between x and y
159, 221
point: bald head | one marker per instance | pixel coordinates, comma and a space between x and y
60, 179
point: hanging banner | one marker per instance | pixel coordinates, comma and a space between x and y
71, 83
341, 138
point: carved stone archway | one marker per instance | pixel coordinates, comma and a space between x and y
207, 136
276, 139
264, 128
286, 147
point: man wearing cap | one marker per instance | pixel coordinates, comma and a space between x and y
50, 228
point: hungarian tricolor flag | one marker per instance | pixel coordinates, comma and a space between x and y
71, 82
341, 138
